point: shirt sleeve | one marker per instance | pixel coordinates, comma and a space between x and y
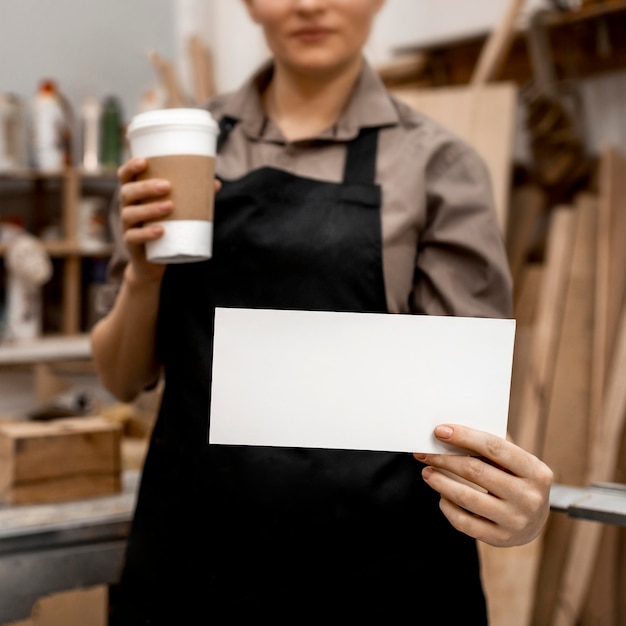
462, 267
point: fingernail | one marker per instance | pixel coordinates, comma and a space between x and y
162, 185
420, 456
444, 432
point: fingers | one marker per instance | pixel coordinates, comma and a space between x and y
507, 521
496, 450
475, 526
497, 466
136, 215
141, 201
500, 495
141, 191
131, 169
467, 495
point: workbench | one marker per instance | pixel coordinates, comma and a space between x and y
50, 548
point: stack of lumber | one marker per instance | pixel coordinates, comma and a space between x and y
568, 400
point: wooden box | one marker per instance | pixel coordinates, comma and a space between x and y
63, 459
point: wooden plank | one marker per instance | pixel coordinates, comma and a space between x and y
611, 267
71, 193
72, 272
485, 117
510, 576
525, 311
533, 405
76, 607
527, 205
202, 66
567, 428
63, 489
603, 598
498, 45
168, 79
565, 447
516, 570
601, 602
402, 70
583, 550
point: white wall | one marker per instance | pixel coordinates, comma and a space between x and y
409, 22
90, 47
238, 45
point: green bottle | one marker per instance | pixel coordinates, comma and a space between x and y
111, 144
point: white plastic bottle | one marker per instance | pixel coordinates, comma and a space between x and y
50, 130
91, 113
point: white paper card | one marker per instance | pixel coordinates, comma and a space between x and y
359, 381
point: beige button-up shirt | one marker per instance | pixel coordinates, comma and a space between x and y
442, 248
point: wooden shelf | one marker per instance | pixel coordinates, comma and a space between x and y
583, 43
71, 256
33, 174
46, 350
71, 248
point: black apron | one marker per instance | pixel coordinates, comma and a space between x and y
283, 533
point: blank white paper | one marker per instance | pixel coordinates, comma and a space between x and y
359, 381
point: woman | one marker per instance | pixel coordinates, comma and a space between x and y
331, 195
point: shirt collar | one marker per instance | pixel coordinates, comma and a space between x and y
369, 106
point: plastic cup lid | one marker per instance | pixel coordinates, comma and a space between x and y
172, 118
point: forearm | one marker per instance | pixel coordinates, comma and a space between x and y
124, 341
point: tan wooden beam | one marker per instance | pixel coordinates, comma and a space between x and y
565, 446
542, 360
528, 203
608, 402
168, 79
497, 47
611, 267
586, 539
203, 71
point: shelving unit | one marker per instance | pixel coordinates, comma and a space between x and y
37, 204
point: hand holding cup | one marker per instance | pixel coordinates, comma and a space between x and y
179, 147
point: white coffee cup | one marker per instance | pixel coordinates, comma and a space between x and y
180, 146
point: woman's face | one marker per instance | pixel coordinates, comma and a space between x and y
315, 36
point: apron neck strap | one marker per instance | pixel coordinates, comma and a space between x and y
360, 167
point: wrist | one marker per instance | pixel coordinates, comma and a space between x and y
142, 280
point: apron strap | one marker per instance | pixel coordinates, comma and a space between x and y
226, 124
360, 166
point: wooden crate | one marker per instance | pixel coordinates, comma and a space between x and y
75, 607
63, 459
